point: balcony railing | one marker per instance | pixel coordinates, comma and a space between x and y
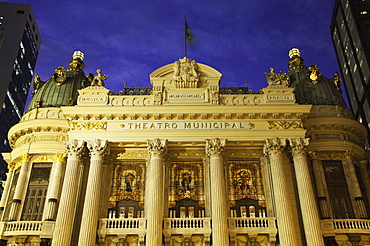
38, 228
331, 226
238, 225
187, 226
122, 226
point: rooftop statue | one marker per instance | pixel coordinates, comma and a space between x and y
37, 84
185, 73
274, 79
98, 80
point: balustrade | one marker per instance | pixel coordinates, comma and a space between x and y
331, 226
248, 225
191, 223
37, 228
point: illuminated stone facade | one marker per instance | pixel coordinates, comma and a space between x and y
186, 165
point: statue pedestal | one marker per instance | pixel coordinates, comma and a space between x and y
277, 94
93, 96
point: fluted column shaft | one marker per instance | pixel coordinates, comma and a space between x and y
214, 149
321, 188
52, 195
5, 192
310, 214
157, 149
274, 149
21, 188
90, 216
68, 199
354, 185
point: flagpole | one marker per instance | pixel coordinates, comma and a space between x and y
185, 43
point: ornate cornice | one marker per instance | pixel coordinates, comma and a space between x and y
347, 131
285, 125
31, 134
79, 118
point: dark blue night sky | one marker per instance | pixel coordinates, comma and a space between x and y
128, 39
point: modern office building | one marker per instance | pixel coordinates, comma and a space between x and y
187, 162
19, 48
350, 30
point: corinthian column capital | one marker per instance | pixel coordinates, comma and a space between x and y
157, 147
26, 157
98, 147
215, 146
274, 146
298, 145
74, 147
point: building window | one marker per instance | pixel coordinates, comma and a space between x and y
186, 194
338, 189
36, 194
127, 190
246, 192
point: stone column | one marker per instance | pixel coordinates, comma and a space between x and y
52, 195
90, 216
68, 198
4, 197
157, 149
21, 188
307, 200
354, 186
215, 149
321, 188
274, 148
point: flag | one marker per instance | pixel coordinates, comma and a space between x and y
188, 36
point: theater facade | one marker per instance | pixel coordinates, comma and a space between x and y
187, 162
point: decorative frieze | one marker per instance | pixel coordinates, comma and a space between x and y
285, 125
87, 125
244, 153
171, 125
331, 155
186, 153
133, 154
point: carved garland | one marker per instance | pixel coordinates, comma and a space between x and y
87, 125
285, 125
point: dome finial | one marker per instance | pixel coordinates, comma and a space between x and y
294, 52
78, 54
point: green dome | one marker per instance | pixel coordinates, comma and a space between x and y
311, 87
62, 88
